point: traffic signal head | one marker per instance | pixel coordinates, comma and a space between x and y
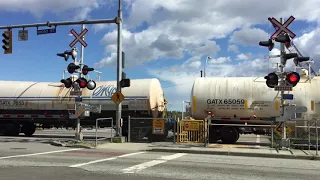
67, 82
296, 60
125, 83
82, 82
272, 80
86, 69
72, 68
7, 42
284, 38
268, 44
91, 85
293, 78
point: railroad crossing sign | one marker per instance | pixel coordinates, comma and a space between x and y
117, 97
278, 129
282, 27
78, 37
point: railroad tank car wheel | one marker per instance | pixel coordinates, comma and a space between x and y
12, 129
28, 129
229, 135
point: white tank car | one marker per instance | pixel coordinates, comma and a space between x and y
248, 96
143, 94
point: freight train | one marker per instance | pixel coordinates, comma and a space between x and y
23, 104
246, 100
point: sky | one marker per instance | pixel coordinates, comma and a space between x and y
165, 39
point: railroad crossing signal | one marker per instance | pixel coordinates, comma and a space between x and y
73, 53
7, 42
268, 44
86, 69
72, 67
78, 37
293, 78
67, 82
283, 38
272, 80
278, 129
282, 27
296, 60
117, 97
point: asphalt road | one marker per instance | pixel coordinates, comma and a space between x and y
38, 161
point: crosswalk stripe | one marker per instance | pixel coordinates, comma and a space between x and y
163, 159
106, 159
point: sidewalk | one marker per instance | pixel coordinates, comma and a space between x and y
214, 150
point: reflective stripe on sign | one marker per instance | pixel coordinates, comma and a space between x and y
312, 105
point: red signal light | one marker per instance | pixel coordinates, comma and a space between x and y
293, 78
82, 82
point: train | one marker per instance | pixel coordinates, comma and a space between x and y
24, 104
247, 100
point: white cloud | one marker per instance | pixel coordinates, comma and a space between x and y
219, 60
248, 36
242, 57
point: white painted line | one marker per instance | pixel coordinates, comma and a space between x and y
107, 159
257, 141
35, 154
163, 159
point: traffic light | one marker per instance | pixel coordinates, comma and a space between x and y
86, 69
66, 54
284, 38
67, 82
72, 67
268, 44
293, 78
82, 82
296, 60
7, 42
125, 83
272, 80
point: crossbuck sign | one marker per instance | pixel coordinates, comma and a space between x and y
78, 37
282, 27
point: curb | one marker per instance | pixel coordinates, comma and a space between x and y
283, 156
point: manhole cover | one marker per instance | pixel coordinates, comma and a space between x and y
18, 148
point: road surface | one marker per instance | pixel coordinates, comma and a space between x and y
37, 161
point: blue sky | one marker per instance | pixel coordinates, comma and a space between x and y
161, 39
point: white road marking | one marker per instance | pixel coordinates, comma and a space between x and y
107, 159
163, 159
35, 154
257, 141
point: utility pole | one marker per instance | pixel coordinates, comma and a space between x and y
282, 83
119, 66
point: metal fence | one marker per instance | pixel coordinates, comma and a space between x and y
110, 136
303, 134
151, 129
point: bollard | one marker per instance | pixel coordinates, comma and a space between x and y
129, 129
309, 141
